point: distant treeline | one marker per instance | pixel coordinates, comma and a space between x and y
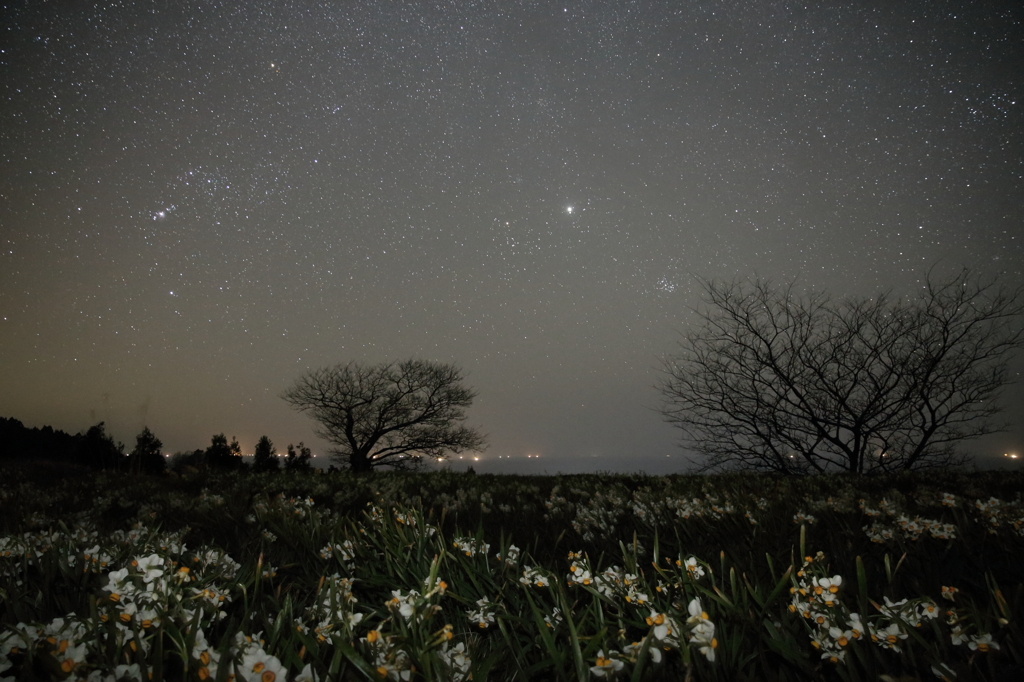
94, 448
18, 442
97, 450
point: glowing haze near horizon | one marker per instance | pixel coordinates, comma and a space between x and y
199, 201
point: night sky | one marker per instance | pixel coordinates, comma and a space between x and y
201, 200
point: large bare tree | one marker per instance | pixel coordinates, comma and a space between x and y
776, 380
390, 414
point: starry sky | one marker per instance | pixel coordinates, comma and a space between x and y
201, 200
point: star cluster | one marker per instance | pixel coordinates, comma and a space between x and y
201, 200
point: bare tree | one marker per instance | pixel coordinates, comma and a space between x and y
391, 414
777, 381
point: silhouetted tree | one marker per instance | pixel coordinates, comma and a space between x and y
97, 450
224, 455
147, 455
265, 456
20, 443
298, 460
777, 381
391, 414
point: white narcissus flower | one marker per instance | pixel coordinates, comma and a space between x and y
70, 657
484, 615
856, 626
259, 666
131, 672
580, 575
404, 603
703, 635
661, 624
633, 650
553, 619
703, 632
840, 637
118, 584
982, 643
605, 667
696, 611
531, 576
151, 567
638, 598
457, 660
693, 568
823, 585
889, 637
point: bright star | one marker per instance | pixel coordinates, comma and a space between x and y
568, 209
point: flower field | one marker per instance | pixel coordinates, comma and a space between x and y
448, 576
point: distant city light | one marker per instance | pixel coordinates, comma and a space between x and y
1010, 455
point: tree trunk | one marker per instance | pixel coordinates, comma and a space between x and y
359, 463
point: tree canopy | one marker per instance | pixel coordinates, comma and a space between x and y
265, 456
147, 455
223, 455
781, 381
389, 414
